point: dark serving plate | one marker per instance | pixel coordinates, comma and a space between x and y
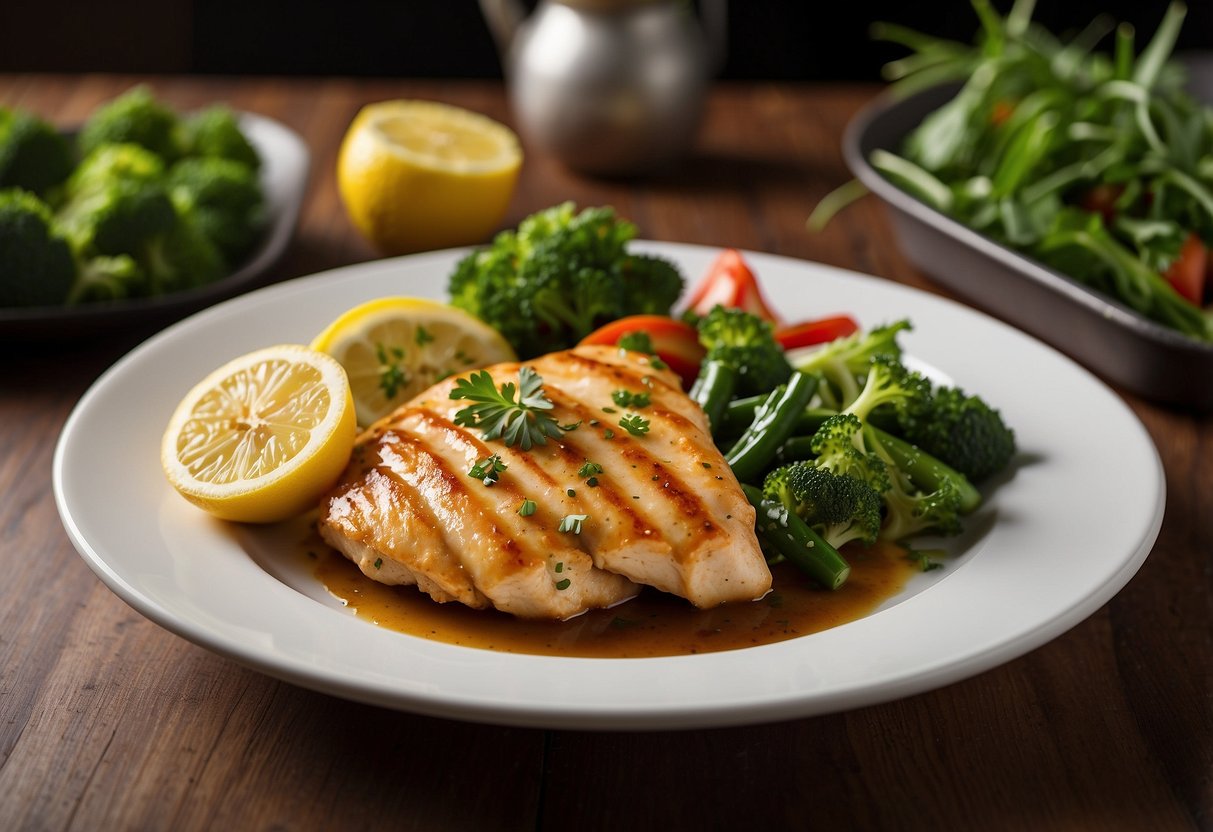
285, 161
1119, 344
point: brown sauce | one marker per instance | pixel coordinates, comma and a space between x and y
652, 624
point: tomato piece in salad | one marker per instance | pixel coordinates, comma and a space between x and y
730, 282
820, 331
674, 342
1187, 274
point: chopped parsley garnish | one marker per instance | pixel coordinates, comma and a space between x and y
636, 342
527, 508
609, 410
657, 364
488, 470
626, 398
378, 562
523, 422
635, 425
608, 434
589, 469
571, 492
563, 584
570, 426
571, 523
391, 377
423, 336
592, 482
559, 567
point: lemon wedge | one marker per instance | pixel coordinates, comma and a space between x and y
393, 348
418, 175
261, 438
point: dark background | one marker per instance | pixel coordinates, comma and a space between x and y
769, 39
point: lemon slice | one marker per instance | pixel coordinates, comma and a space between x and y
393, 348
261, 438
419, 175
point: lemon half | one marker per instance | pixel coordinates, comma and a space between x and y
418, 175
263, 437
395, 347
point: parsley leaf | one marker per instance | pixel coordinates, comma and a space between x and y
488, 470
626, 398
523, 421
572, 523
636, 341
391, 377
589, 469
635, 425
527, 508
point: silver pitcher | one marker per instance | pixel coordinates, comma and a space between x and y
611, 87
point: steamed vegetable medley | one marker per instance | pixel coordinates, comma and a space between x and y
141, 202
1099, 165
836, 442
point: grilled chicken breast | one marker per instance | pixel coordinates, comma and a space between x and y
665, 510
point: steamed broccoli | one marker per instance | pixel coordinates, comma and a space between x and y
116, 217
215, 132
744, 342
961, 430
36, 266
844, 362
181, 258
135, 117
224, 198
838, 507
33, 155
108, 278
839, 448
112, 162
561, 275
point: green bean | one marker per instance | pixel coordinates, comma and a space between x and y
773, 422
713, 389
791, 537
925, 471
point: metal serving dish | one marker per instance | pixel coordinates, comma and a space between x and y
1119, 344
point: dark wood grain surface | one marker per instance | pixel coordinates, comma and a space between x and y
109, 722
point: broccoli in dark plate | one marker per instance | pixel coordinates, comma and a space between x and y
111, 162
559, 277
33, 155
224, 198
215, 132
746, 343
108, 278
135, 117
116, 217
36, 266
181, 258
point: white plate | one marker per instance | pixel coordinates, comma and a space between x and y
284, 173
1058, 537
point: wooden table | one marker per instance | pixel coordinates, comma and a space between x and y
109, 722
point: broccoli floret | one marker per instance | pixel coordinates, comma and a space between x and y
118, 217
843, 363
108, 278
840, 449
651, 285
838, 507
33, 155
135, 117
215, 132
224, 198
909, 512
556, 279
890, 386
961, 430
180, 259
744, 342
114, 162
36, 265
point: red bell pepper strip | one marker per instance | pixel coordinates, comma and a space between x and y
729, 282
675, 342
820, 331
